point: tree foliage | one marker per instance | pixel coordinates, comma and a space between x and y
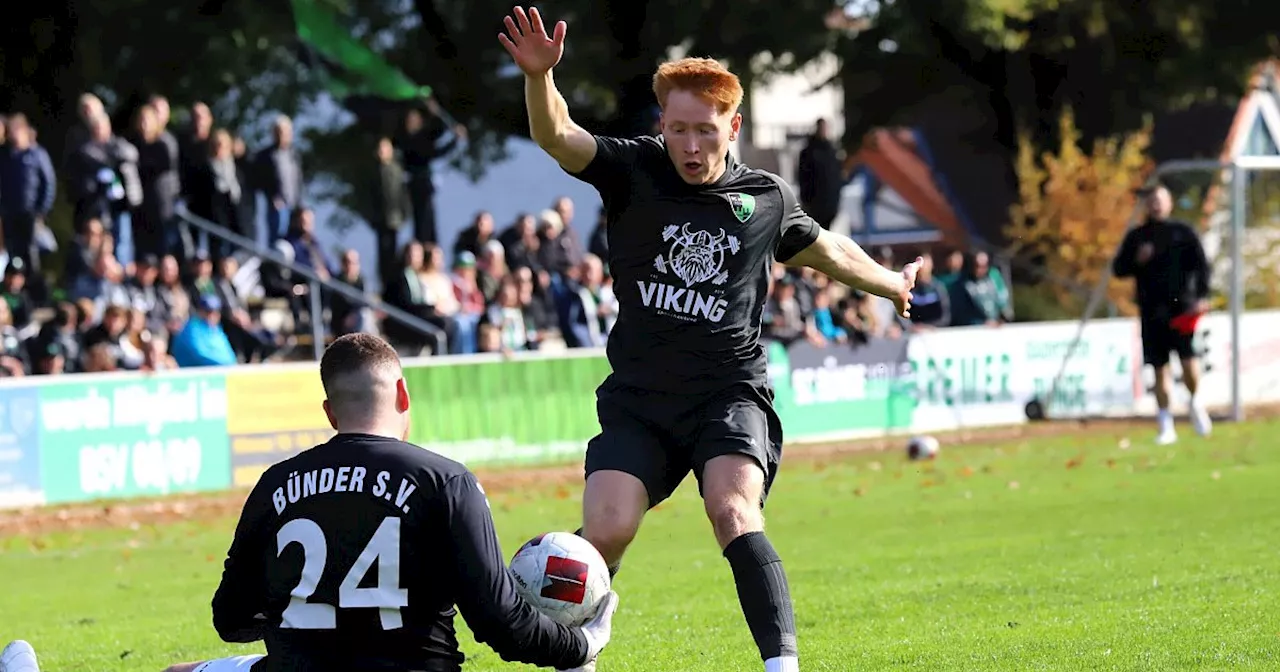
1075, 207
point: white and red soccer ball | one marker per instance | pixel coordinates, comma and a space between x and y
562, 575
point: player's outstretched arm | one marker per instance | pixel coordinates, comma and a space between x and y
845, 261
487, 596
537, 53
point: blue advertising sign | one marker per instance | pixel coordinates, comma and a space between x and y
20, 447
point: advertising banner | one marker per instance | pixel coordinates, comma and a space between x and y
137, 436
273, 415
984, 376
19, 447
841, 390
521, 410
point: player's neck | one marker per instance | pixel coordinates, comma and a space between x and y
384, 431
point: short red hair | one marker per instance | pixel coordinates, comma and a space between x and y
705, 77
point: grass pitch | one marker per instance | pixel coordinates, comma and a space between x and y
1072, 553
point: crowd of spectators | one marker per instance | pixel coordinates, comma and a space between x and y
807, 305
142, 290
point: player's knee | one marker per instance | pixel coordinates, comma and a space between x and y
732, 515
611, 519
182, 667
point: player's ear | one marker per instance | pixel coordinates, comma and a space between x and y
328, 412
735, 126
402, 397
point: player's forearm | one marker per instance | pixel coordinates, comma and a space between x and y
846, 262
549, 121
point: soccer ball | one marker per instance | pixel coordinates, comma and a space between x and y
922, 448
562, 575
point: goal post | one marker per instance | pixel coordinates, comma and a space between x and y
1236, 171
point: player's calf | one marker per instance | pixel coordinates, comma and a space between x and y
613, 504
732, 488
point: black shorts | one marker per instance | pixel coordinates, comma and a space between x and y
1159, 339
660, 437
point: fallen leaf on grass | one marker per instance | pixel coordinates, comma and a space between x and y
874, 466
1014, 485
1124, 444
125, 654
1111, 464
927, 483
858, 492
562, 492
1216, 475
966, 472
1075, 462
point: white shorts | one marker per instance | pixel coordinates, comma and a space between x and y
233, 664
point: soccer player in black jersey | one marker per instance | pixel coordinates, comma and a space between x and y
692, 237
352, 555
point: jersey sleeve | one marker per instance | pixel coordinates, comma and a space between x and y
798, 230
615, 160
487, 596
238, 604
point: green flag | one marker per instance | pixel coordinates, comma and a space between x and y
350, 67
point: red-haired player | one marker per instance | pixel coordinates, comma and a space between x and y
692, 237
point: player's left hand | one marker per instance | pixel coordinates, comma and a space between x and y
903, 300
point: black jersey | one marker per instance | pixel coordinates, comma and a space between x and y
1176, 276
691, 265
352, 556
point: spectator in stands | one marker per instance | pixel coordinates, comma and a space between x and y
158, 172
88, 108
951, 268
591, 307
112, 280
13, 356
930, 303
104, 182
155, 355
411, 294
786, 322
144, 293
79, 278
193, 145
98, 359
980, 296
820, 175
346, 316
174, 306
387, 208
279, 177
249, 339
444, 300
202, 341
307, 250
27, 190
561, 248
215, 192
825, 321
64, 332
506, 316
202, 282
112, 334
522, 242
488, 339
491, 269
247, 213
421, 144
47, 358
598, 244
473, 238
540, 318
471, 300
15, 295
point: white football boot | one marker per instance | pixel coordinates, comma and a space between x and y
1200, 419
1167, 434
18, 656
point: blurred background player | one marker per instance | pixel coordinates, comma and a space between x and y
367, 509
1171, 277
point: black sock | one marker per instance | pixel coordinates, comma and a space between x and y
613, 569
763, 593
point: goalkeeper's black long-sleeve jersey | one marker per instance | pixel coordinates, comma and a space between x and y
353, 556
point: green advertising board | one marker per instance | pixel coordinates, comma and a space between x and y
138, 436
519, 410
840, 390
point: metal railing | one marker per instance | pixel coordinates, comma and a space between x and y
315, 283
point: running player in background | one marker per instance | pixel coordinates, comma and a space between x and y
692, 236
1171, 278
353, 554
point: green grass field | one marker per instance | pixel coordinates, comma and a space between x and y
1070, 553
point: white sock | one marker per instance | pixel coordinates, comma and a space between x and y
782, 664
1164, 419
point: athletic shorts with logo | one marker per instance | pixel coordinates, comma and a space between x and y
659, 437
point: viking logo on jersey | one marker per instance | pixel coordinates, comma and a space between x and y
695, 257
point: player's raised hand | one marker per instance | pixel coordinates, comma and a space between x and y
903, 301
527, 41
